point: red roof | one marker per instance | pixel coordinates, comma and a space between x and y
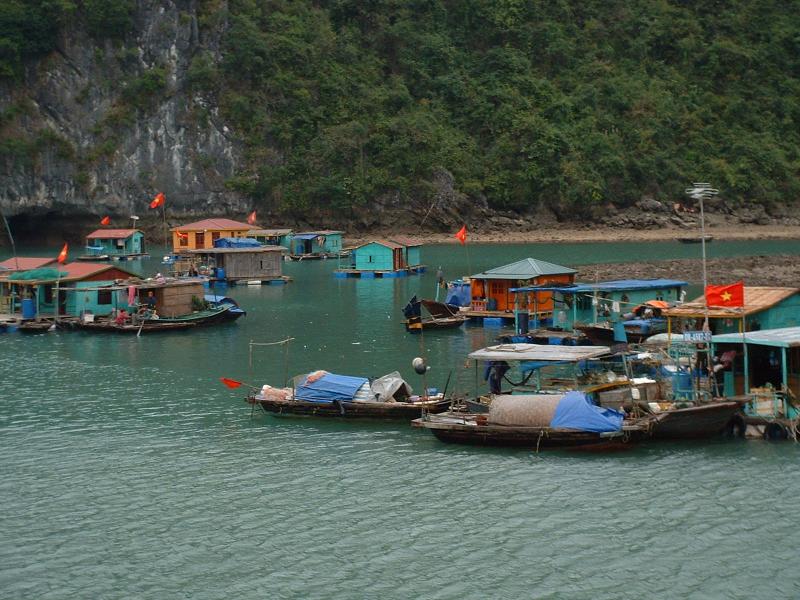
112, 233
214, 224
82, 270
25, 263
404, 241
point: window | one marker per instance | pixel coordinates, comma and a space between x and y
199, 240
104, 297
183, 240
214, 237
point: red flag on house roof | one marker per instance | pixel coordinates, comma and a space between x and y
105, 220
62, 256
251, 218
461, 236
231, 383
158, 200
725, 295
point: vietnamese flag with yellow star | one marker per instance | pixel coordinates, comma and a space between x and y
725, 295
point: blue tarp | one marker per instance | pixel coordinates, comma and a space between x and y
576, 411
330, 387
306, 236
228, 242
458, 293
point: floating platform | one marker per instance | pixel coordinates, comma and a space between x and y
255, 281
363, 274
110, 257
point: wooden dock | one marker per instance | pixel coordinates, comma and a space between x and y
365, 274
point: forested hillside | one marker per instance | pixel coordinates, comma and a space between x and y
333, 106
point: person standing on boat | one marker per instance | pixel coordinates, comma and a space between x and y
150, 301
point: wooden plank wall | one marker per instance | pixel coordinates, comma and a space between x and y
177, 300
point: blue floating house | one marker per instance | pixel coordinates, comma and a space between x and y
117, 244
315, 244
397, 257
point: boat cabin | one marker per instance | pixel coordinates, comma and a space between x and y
202, 234
115, 243
386, 258
491, 291
315, 244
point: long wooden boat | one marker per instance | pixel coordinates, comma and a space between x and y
695, 422
109, 326
403, 411
474, 430
440, 316
216, 314
695, 239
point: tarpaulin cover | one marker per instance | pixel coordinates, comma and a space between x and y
458, 293
329, 387
576, 411
34, 274
228, 242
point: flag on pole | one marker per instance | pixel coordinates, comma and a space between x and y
251, 218
105, 220
231, 383
62, 256
461, 236
158, 200
181, 234
725, 295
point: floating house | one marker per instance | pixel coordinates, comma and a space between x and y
114, 244
203, 234
315, 244
62, 290
272, 237
397, 257
491, 291
764, 308
237, 261
597, 303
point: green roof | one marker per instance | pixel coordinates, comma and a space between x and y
527, 268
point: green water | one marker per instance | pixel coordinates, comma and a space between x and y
129, 471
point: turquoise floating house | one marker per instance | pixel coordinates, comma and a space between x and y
63, 290
397, 257
114, 244
315, 244
593, 303
272, 237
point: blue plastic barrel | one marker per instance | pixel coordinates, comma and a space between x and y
220, 273
28, 308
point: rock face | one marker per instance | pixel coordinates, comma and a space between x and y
103, 126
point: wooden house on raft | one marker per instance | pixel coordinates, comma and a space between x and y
764, 308
491, 294
114, 244
315, 244
62, 290
396, 257
237, 260
202, 234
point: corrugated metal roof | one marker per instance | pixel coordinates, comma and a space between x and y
218, 224
111, 234
25, 263
539, 352
407, 242
321, 232
75, 271
250, 250
756, 299
786, 337
269, 232
621, 285
385, 243
527, 268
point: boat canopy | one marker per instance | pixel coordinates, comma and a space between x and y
538, 352
576, 411
329, 388
230, 242
620, 285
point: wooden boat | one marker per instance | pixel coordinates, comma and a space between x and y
109, 326
323, 394
475, 430
215, 314
440, 316
695, 422
695, 239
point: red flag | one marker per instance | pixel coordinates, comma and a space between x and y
251, 218
231, 383
62, 256
105, 220
158, 200
461, 236
725, 295
182, 234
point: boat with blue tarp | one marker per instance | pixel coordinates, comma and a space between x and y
324, 394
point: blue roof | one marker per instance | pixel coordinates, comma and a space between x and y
330, 387
305, 236
620, 285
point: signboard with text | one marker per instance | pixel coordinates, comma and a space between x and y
697, 337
